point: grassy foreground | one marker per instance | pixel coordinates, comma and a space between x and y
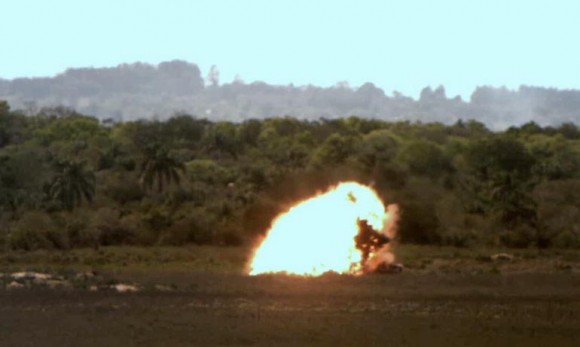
199, 296
416, 259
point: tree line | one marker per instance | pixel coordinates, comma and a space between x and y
132, 91
70, 180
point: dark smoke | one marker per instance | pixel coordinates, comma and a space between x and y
368, 240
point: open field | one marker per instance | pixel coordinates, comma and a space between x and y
197, 296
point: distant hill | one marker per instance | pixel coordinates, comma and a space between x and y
133, 91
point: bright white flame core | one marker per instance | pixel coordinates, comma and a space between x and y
317, 235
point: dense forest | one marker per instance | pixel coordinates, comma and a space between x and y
69, 180
143, 91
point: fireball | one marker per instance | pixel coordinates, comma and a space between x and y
320, 234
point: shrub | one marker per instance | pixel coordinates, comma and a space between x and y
36, 230
109, 230
157, 219
177, 196
459, 237
132, 225
419, 223
199, 228
77, 227
4, 231
567, 239
520, 237
179, 233
228, 237
258, 217
559, 211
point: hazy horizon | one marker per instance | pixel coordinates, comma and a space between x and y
403, 47
338, 83
144, 91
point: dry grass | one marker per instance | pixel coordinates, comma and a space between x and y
417, 259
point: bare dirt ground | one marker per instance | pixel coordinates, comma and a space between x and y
461, 300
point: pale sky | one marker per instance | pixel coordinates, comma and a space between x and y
400, 45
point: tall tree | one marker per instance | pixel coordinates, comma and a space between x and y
158, 166
72, 183
500, 179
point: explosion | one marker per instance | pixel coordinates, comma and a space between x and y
345, 230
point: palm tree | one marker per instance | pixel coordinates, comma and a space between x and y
72, 183
158, 165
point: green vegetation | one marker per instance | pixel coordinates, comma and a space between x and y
69, 181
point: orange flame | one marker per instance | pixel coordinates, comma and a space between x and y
318, 235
